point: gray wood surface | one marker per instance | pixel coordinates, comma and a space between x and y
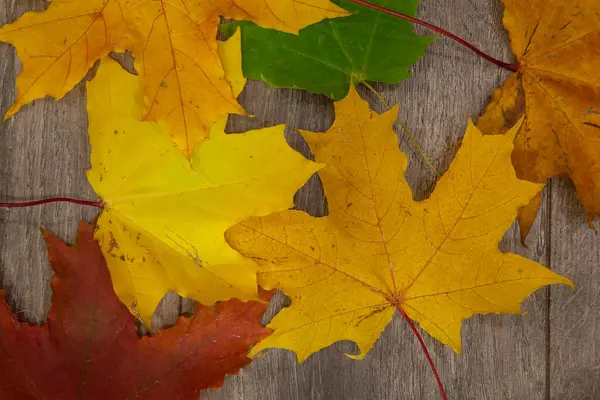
553, 352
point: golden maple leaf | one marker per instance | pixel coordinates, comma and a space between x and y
379, 251
557, 89
174, 42
163, 222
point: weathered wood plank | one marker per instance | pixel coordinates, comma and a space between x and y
574, 315
44, 152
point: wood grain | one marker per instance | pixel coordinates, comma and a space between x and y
575, 315
44, 152
551, 352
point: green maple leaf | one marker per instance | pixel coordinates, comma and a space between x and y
326, 57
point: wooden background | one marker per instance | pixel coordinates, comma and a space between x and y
553, 352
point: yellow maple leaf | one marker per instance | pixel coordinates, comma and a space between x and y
163, 222
174, 42
379, 251
557, 90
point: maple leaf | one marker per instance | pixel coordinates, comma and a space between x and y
558, 91
90, 349
378, 250
174, 42
163, 223
366, 46
58, 46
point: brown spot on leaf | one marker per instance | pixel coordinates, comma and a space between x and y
565, 25
372, 313
512, 115
592, 125
112, 244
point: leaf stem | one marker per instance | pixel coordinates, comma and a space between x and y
422, 343
98, 204
502, 64
404, 128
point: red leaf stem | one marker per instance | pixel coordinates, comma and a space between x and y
422, 343
54, 200
510, 67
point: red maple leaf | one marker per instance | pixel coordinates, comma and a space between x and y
89, 348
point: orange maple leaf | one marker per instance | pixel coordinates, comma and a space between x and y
557, 90
174, 42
